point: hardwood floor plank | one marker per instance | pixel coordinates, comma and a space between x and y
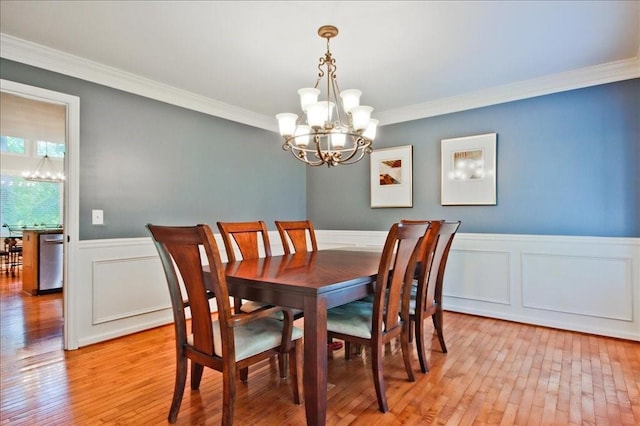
496, 372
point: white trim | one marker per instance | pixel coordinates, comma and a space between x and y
40, 56
72, 197
591, 76
19, 50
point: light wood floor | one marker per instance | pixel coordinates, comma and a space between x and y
496, 372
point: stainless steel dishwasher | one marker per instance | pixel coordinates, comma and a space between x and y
50, 267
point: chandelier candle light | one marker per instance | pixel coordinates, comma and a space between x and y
45, 171
321, 140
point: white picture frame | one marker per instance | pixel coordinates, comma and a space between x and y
392, 177
468, 173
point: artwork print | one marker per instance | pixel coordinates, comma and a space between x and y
391, 177
390, 172
469, 170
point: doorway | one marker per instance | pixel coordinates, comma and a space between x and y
70, 203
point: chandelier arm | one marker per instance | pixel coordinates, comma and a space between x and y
301, 153
347, 163
359, 145
354, 150
336, 92
301, 156
320, 72
316, 141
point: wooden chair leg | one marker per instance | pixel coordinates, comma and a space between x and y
420, 345
347, 350
244, 374
283, 365
422, 357
178, 389
228, 394
295, 358
196, 375
358, 349
378, 378
437, 323
406, 354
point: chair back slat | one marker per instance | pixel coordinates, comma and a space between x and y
395, 275
431, 294
297, 234
425, 256
180, 254
246, 237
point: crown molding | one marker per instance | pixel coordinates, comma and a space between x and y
585, 77
19, 50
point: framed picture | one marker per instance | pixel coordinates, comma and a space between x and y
391, 177
469, 170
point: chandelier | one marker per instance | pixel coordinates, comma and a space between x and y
321, 139
45, 171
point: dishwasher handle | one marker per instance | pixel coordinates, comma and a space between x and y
52, 241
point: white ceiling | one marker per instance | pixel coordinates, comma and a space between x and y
403, 55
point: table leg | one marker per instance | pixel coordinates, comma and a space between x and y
315, 360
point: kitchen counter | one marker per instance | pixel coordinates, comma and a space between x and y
42, 259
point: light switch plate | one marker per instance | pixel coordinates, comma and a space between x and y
97, 217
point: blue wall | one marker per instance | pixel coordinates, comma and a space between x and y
568, 164
144, 161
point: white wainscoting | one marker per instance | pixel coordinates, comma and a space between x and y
587, 284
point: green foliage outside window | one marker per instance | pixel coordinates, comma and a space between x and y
25, 203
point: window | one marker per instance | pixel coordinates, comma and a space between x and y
13, 145
24, 203
51, 149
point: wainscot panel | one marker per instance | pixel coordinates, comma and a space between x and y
139, 278
478, 275
583, 285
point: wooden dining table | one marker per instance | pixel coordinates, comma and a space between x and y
313, 282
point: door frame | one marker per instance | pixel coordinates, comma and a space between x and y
71, 187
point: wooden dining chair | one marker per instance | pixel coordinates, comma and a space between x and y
228, 343
297, 236
426, 294
374, 324
246, 236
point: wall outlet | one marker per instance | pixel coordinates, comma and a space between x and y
97, 217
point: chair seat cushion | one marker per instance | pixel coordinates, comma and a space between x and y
249, 306
252, 338
353, 319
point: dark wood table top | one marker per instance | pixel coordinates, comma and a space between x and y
313, 274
